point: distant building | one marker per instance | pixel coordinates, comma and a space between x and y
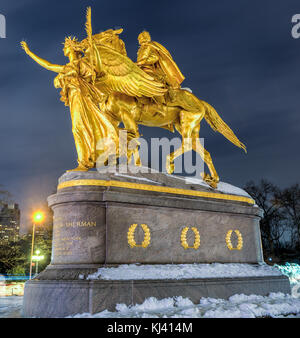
9, 222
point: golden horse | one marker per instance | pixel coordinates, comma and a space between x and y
184, 112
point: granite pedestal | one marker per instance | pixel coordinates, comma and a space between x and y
107, 219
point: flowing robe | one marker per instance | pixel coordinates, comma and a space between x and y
89, 124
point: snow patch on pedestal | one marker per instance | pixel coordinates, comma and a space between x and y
183, 271
226, 188
136, 178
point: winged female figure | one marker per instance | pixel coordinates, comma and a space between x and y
78, 91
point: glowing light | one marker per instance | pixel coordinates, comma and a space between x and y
37, 257
38, 217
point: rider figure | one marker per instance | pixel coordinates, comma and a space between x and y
155, 60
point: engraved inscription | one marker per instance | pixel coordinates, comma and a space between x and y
81, 224
64, 241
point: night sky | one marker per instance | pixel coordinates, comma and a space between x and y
237, 55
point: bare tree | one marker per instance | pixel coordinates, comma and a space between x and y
272, 223
289, 200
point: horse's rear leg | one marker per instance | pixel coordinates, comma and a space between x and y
213, 178
188, 121
185, 127
170, 166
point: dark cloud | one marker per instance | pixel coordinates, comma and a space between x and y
237, 55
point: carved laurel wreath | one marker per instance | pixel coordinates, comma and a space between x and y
131, 240
184, 242
239, 243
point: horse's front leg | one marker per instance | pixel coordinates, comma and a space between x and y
132, 130
135, 152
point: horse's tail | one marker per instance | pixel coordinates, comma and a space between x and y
217, 124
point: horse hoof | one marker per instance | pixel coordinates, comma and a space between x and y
170, 168
212, 182
79, 168
138, 163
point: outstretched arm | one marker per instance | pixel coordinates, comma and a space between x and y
40, 61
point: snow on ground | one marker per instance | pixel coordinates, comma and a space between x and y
10, 307
184, 271
237, 306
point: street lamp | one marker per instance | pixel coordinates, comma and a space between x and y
38, 218
37, 258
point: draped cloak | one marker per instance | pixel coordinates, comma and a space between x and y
167, 64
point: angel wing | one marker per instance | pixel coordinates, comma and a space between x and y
117, 73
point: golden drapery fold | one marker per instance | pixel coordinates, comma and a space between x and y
89, 124
168, 65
